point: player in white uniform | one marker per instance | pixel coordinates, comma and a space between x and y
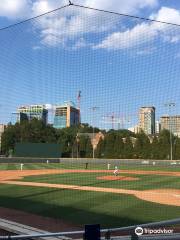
116, 171
21, 166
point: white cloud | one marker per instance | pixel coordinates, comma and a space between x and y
43, 6
57, 28
15, 9
145, 32
71, 25
18, 9
134, 37
122, 6
166, 14
50, 107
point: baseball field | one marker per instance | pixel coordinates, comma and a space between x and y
73, 195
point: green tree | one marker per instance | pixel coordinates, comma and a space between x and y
109, 141
118, 147
128, 148
155, 153
142, 146
99, 153
10, 136
176, 148
85, 147
34, 131
164, 144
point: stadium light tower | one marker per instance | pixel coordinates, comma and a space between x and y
169, 106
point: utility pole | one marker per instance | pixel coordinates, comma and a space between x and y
79, 105
170, 105
77, 142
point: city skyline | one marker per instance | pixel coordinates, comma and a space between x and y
90, 119
118, 68
145, 121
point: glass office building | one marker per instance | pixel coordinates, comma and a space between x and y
33, 111
147, 120
171, 123
66, 115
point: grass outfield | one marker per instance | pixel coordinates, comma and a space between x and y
79, 207
30, 166
83, 207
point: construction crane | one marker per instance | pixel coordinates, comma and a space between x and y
109, 118
120, 119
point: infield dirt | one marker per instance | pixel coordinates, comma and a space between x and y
162, 196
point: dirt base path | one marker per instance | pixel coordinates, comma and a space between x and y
162, 196
17, 174
117, 178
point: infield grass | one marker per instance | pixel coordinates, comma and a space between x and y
84, 207
144, 182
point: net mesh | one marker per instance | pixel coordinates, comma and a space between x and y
99, 86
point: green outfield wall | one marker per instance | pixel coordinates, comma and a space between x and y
44, 150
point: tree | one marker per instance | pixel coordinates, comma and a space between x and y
164, 144
99, 153
9, 138
155, 153
34, 131
109, 144
176, 148
142, 146
116, 143
85, 147
128, 148
118, 147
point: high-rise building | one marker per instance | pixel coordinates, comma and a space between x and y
158, 127
32, 111
171, 123
134, 129
147, 119
66, 115
2, 128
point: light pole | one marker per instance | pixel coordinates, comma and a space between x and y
77, 141
170, 105
93, 109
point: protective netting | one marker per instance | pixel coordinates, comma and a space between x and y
88, 84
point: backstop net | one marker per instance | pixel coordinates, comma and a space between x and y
89, 118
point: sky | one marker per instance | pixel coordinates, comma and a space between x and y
119, 63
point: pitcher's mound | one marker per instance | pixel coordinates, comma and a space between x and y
121, 178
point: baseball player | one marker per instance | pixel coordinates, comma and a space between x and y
116, 171
108, 166
21, 166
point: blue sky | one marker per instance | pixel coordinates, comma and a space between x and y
119, 63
